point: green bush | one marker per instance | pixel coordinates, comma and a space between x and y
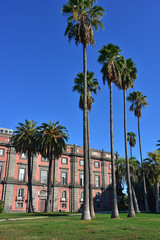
1, 206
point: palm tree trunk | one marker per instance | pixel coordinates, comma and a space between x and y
136, 207
86, 212
30, 207
54, 167
131, 212
91, 204
157, 196
49, 183
115, 213
144, 180
131, 150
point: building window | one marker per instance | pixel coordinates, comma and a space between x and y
110, 178
20, 194
81, 179
82, 196
96, 164
22, 172
98, 197
19, 204
110, 166
81, 162
64, 178
0, 172
64, 205
97, 181
23, 156
64, 160
64, 195
43, 159
2, 152
98, 205
43, 176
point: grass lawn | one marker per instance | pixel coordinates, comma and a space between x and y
144, 226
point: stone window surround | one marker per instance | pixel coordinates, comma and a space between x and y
81, 160
20, 156
64, 199
64, 170
97, 174
22, 166
96, 162
2, 166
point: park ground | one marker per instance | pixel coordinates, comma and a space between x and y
70, 226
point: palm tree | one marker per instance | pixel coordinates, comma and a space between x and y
92, 86
83, 16
152, 169
51, 141
23, 141
128, 76
158, 144
132, 140
109, 58
138, 101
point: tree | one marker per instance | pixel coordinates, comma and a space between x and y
134, 166
83, 16
109, 58
152, 169
132, 140
24, 141
158, 144
128, 76
138, 101
92, 86
51, 141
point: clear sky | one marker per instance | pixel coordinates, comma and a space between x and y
38, 66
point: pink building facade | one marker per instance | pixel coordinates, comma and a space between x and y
69, 179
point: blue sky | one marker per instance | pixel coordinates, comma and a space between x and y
38, 65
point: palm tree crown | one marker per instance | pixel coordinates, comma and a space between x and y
131, 138
24, 138
111, 59
92, 87
83, 15
138, 100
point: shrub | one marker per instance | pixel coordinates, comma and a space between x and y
1, 206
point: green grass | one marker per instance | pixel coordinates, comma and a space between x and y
144, 226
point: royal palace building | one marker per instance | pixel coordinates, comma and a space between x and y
68, 184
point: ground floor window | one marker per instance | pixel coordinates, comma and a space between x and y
19, 205
64, 205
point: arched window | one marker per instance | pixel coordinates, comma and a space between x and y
98, 197
64, 195
82, 196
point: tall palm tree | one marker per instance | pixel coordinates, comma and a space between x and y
152, 169
51, 140
92, 87
128, 76
83, 16
138, 101
109, 58
131, 138
24, 141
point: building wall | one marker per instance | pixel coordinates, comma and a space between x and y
13, 181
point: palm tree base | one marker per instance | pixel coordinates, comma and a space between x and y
86, 216
116, 216
131, 214
93, 216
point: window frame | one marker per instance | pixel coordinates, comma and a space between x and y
3, 149
64, 198
1, 171
98, 199
43, 159
96, 162
66, 158
64, 180
25, 157
24, 178
81, 160
41, 175
81, 182
98, 178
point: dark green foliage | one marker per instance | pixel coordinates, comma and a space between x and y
2, 206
